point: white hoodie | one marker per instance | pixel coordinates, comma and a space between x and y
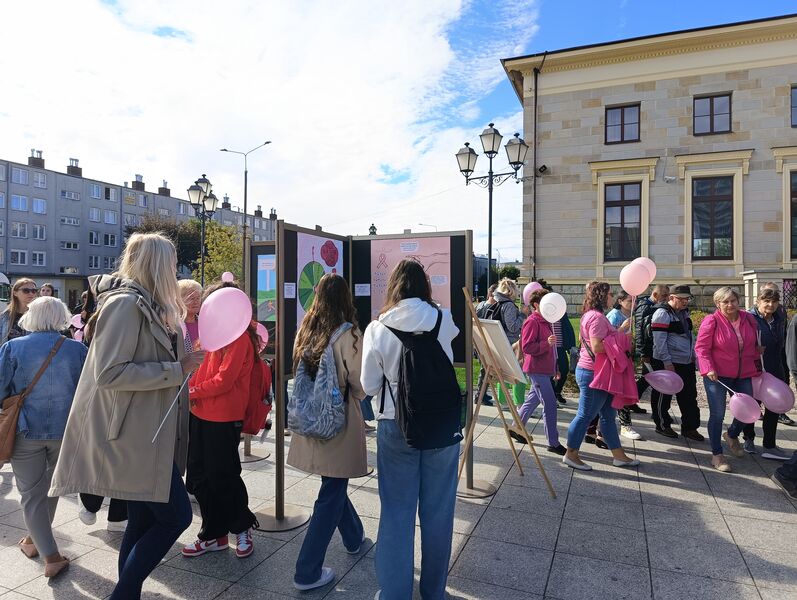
382, 349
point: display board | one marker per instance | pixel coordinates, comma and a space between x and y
263, 288
446, 257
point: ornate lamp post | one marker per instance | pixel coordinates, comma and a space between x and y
516, 150
204, 201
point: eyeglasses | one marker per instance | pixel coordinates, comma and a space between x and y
28, 290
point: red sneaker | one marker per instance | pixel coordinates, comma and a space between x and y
199, 547
243, 544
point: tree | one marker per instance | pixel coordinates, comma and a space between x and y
223, 246
184, 235
510, 272
482, 282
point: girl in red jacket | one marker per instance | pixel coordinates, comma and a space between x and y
219, 391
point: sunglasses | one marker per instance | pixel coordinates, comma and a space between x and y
28, 290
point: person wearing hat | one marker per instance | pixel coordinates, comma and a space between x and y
673, 349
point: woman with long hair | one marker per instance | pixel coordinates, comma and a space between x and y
23, 292
411, 481
219, 392
594, 328
47, 289
135, 365
331, 316
191, 293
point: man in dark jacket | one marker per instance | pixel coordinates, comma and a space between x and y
784, 319
643, 342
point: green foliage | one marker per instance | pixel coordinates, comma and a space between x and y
185, 236
224, 252
510, 272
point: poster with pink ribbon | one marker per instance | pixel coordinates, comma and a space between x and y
434, 253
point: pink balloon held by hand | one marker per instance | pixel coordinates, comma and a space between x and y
529, 289
634, 278
649, 265
666, 382
744, 408
774, 393
224, 316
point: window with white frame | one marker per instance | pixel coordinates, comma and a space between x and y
108, 262
38, 258
94, 238
164, 212
258, 224
39, 232
95, 191
2, 200
70, 195
19, 202
2, 227
181, 208
39, 180
111, 217
131, 220
19, 230
2, 172
70, 245
110, 194
40, 206
19, 176
110, 240
70, 221
19, 257
143, 201
2, 256
94, 262
94, 215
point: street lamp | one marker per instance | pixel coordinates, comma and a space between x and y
204, 201
246, 185
516, 150
427, 225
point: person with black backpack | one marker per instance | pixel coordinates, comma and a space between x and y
407, 367
643, 338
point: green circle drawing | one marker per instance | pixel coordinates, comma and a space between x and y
309, 278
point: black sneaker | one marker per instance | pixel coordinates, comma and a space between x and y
487, 401
601, 444
785, 420
635, 408
693, 435
517, 437
787, 485
560, 450
667, 432
560, 399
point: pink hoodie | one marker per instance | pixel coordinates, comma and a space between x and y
539, 357
717, 347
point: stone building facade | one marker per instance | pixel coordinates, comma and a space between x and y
680, 146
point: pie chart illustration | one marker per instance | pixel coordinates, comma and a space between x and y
308, 279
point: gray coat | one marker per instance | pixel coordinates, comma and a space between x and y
131, 375
673, 342
511, 317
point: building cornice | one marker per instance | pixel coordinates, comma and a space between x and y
628, 164
782, 154
736, 157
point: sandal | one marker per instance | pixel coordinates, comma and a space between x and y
28, 550
55, 568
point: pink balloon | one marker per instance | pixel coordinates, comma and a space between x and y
224, 316
634, 278
527, 291
263, 333
648, 264
666, 382
775, 394
744, 408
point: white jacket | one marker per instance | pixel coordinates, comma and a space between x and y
382, 349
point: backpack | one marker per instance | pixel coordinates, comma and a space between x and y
493, 312
428, 401
258, 406
317, 409
644, 345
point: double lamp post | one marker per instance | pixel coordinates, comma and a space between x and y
204, 201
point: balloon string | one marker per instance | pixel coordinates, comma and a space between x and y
725, 386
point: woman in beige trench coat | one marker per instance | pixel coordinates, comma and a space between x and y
342, 457
134, 367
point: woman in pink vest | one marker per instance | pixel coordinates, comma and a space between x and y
727, 353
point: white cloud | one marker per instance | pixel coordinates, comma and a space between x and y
351, 93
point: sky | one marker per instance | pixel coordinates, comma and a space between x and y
365, 102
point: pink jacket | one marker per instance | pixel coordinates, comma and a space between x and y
614, 370
717, 348
539, 357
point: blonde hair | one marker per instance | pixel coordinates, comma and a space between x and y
45, 313
723, 292
150, 260
187, 286
508, 287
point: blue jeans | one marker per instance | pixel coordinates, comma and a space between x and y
716, 405
152, 528
367, 408
410, 481
590, 403
332, 510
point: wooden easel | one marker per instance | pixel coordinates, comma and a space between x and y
494, 376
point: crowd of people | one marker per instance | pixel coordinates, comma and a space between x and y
96, 384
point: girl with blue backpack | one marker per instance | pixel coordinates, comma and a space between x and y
327, 424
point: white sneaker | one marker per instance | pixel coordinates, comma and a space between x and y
327, 576
117, 525
630, 433
85, 515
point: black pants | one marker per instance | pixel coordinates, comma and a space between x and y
769, 425
623, 414
214, 477
642, 383
564, 370
117, 509
687, 399
789, 468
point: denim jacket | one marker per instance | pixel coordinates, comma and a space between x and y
46, 408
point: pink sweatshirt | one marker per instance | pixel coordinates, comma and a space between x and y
539, 357
717, 347
614, 370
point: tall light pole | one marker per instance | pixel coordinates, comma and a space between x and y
203, 200
428, 225
246, 185
516, 150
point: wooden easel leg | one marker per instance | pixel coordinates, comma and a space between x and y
534, 451
471, 429
506, 425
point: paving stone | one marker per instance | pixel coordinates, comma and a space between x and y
10, 535
597, 484
598, 510
534, 500
706, 556
225, 564
93, 575
603, 542
579, 578
518, 528
685, 523
242, 592
18, 569
503, 564
166, 582
697, 497
767, 535
467, 514
677, 586
773, 569
358, 584
459, 588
